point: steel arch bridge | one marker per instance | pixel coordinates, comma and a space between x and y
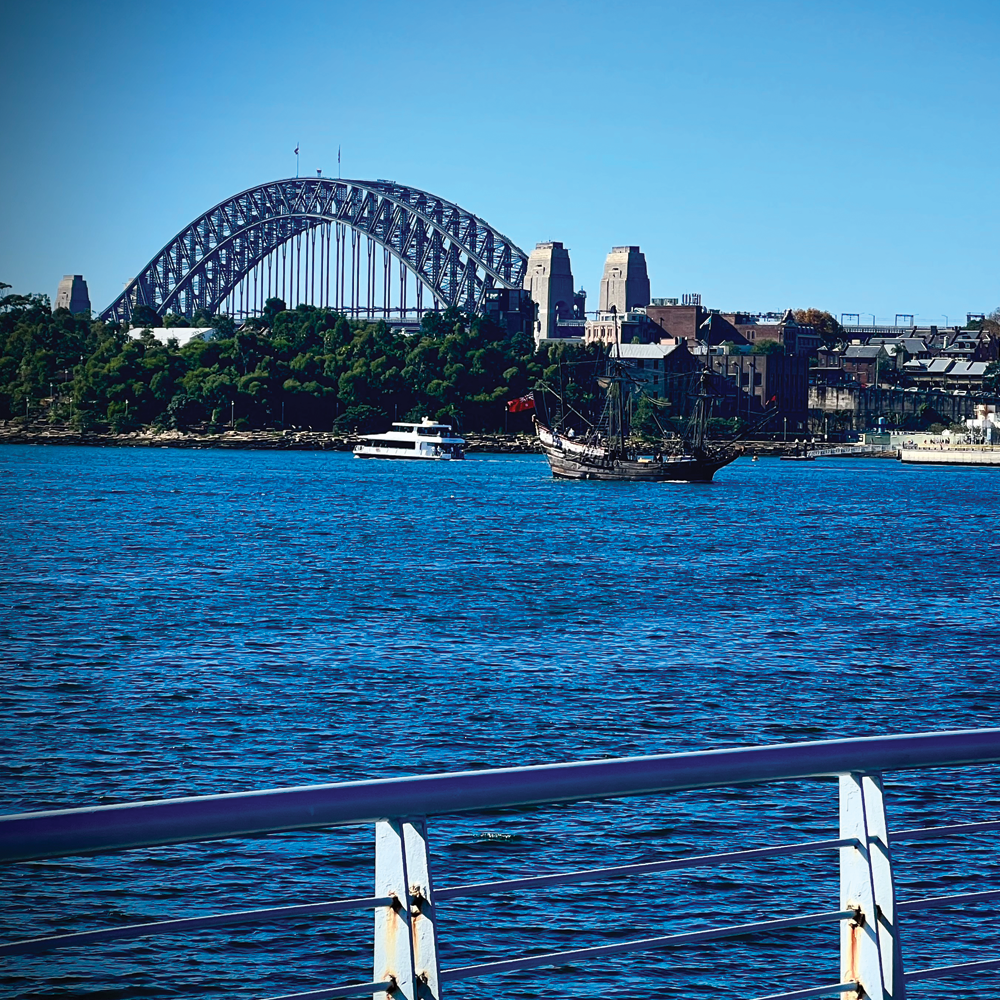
244, 249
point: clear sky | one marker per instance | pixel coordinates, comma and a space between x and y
766, 153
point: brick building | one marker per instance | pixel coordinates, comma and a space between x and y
665, 371
754, 382
677, 320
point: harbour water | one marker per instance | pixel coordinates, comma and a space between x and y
182, 622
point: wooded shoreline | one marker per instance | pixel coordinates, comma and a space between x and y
249, 440
291, 440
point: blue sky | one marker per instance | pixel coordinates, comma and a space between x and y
765, 153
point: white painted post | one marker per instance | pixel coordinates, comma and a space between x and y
424, 926
869, 947
393, 945
405, 945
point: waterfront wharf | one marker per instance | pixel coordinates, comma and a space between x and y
406, 902
854, 451
951, 455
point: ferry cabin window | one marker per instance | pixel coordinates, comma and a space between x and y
408, 445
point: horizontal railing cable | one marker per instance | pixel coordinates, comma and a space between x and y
176, 926
934, 832
640, 868
643, 944
802, 994
355, 989
956, 899
59, 833
812, 991
963, 969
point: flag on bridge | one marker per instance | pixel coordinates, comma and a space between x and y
296, 149
526, 402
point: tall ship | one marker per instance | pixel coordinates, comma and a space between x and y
427, 441
614, 456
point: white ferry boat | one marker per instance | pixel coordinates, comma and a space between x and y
426, 440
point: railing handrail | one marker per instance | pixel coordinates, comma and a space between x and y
58, 833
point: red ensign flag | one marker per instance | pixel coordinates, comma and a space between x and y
523, 403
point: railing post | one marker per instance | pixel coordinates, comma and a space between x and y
424, 925
869, 947
405, 944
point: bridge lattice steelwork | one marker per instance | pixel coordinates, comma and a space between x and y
302, 239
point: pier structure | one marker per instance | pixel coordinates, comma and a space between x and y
869, 909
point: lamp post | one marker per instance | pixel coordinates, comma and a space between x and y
232, 414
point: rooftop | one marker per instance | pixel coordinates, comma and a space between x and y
641, 351
182, 334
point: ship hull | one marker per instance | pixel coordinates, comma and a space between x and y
569, 460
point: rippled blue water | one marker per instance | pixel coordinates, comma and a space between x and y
178, 622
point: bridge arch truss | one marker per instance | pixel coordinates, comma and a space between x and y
313, 240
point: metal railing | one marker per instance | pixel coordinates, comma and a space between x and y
851, 450
406, 963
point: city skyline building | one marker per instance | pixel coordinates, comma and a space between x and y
549, 281
73, 294
625, 284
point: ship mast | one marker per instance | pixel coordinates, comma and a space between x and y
621, 382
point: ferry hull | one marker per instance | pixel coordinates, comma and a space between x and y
411, 458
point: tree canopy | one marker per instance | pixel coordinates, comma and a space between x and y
828, 329
767, 347
991, 377
306, 367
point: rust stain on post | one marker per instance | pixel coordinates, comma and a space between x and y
855, 928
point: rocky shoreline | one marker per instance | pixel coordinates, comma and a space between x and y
295, 440
288, 440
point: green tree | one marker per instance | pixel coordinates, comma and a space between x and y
991, 378
145, 317
272, 308
767, 347
828, 329
647, 419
